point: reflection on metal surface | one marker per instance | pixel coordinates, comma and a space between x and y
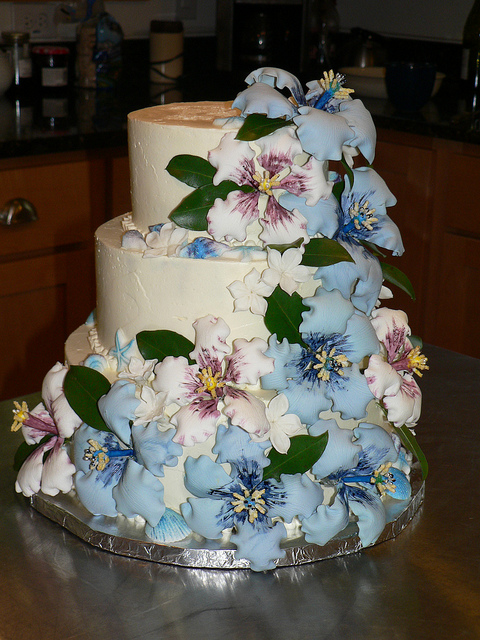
126, 537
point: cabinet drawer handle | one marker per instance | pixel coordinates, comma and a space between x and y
18, 211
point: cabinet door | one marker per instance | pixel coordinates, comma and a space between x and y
63, 195
407, 169
452, 321
41, 301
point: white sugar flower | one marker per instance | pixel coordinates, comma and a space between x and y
283, 425
285, 269
165, 241
250, 294
151, 407
138, 370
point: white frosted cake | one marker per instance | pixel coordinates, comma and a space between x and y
240, 383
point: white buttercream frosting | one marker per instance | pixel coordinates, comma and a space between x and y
157, 134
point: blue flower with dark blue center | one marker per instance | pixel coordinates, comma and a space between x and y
118, 470
323, 372
360, 216
363, 476
242, 501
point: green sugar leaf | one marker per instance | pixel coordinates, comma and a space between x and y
257, 125
192, 170
322, 252
162, 343
192, 212
410, 442
284, 316
24, 450
283, 247
83, 389
303, 453
398, 278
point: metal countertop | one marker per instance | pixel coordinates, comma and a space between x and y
423, 584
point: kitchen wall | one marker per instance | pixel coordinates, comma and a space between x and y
198, 16
440, 20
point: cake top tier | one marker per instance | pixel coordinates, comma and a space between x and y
195, 114
156, 135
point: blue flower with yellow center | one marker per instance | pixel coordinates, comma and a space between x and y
323, 372
118, 470
362, 471
241, 501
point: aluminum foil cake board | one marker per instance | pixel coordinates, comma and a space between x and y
126, 537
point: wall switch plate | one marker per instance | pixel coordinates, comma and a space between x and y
36, 18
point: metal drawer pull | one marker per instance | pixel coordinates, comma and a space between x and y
18, 211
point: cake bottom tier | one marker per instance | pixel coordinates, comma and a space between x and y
126, 537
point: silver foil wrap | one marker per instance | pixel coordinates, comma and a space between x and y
126, 537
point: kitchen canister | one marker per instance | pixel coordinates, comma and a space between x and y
166, 51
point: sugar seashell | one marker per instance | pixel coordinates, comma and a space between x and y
172, 527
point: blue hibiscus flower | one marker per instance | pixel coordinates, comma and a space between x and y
323, 372
360, 216
118, 470
362, 474
242, 501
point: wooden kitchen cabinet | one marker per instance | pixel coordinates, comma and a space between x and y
438, 212
47, 282
406, 164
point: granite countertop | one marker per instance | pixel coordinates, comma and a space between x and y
98, 119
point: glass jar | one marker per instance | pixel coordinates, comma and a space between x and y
17, 44
50, 66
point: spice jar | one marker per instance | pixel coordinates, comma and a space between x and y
18, 48
50, 66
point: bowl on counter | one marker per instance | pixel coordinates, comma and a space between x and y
369, 82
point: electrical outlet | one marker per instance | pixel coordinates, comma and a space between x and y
37, 19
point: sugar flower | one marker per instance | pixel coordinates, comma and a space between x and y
118, 470
323, 372
328, 120
390, 373
151, 407
283, 425
359, 216
250, 294
242, 501
268, 173
284, 269
165, 240
48, 468
215, 384
360, 486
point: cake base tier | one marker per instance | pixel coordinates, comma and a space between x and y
124, 537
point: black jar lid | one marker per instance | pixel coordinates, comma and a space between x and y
166, 26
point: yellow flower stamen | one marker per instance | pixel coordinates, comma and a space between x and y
20, 414
97, 455
333, 82
266, 183
417, 362
362, 216
253, 503
328, 362
209, 381
381, 479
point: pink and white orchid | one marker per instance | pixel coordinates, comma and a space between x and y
214, 385
276, 168
390, 374
51, 422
